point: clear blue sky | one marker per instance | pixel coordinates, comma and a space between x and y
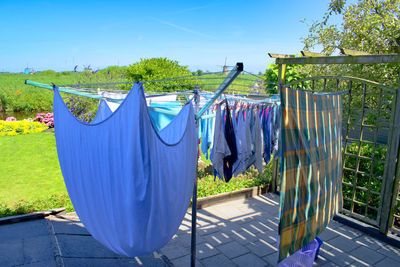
199, 34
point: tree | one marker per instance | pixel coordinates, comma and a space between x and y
292, 73
372, 26
152, 69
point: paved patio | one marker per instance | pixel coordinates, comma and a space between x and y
243, 233
235, 233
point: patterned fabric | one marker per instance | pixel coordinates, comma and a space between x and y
311, 166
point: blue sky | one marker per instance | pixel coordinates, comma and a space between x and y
199, 34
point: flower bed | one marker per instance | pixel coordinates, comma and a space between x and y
21, 127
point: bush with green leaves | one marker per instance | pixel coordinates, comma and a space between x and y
151, 69
209, 185
362, 179
28, 206
292, 73
81, 107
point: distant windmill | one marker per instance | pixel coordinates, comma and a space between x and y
88, 68
75, 68
224, 68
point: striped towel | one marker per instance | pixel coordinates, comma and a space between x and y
311, 166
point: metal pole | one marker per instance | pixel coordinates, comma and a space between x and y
228, 80
194, 197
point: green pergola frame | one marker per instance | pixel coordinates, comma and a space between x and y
390, 182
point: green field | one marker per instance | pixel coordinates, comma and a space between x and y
15, 96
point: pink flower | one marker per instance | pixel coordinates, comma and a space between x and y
11, 119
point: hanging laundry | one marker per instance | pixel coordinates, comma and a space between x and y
123, 176
206, 133
230, 137
162, 113
276, 130
220, 147
311, 165
267, 130
103, 112
243, 144
257, 141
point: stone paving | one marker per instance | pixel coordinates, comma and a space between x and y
235, 233
61, 242
243, 233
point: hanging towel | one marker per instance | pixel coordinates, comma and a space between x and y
311, 166
129, 184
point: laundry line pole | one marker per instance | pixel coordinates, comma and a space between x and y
228, 80
224, 85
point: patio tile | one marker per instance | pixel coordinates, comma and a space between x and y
271, 259
349, 232
243, 237
217, 238
328, 234
82, 247
343, 244
262, 248
367, 255
205, 250
185, 261
206, 230
173, 251
233, 249
217, 260
336, 257
369, 242
388, 262
249, 260
390, 251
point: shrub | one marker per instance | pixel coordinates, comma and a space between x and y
209, 185
20, 127
25, 206
79, 107
151, 69
48, 72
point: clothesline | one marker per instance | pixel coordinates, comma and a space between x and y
222, 87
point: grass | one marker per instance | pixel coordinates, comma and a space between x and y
29, 167
31, 179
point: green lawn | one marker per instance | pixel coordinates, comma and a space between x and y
29, 167
31, 180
